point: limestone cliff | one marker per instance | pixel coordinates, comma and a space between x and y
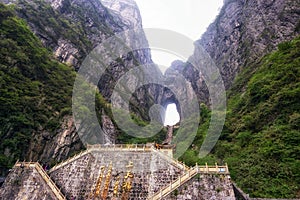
245, 31
241, 34
127, 10
52, 147
71, 28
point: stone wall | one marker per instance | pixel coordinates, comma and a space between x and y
25, 183
239, 194
205, 187
151, 172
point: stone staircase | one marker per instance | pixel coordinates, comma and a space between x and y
188, 175
76, 176
171, 160
69, 160
121, 147
99, 147
45, 176
150, 163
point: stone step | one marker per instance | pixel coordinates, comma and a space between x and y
192, 172
45, 176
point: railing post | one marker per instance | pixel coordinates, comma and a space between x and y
206, 167
227, 171
217, 168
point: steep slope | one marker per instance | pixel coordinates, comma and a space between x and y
73, 28
35, 89
261, 134
69, 29
127, 9
261, 137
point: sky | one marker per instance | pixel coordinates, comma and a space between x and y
187, 17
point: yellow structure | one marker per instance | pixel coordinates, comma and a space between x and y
107, 182
99, 181
126, 187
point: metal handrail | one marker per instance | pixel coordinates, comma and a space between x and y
99, 147
45, 176
172, 160
187, 176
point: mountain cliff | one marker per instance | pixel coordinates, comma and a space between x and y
127, 10
251, 44
245, 30
35, 94
43, 44
241, 34
261, 133
65, 31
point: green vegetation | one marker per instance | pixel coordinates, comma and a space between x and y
35, 90
261, 137
125, 138
48, 22
191, 156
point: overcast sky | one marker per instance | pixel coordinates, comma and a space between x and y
187, 17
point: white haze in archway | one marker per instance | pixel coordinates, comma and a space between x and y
172, 115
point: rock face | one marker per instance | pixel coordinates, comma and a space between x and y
109, 130
50, 147
71, 29
127, 9
243, 32
194, 77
